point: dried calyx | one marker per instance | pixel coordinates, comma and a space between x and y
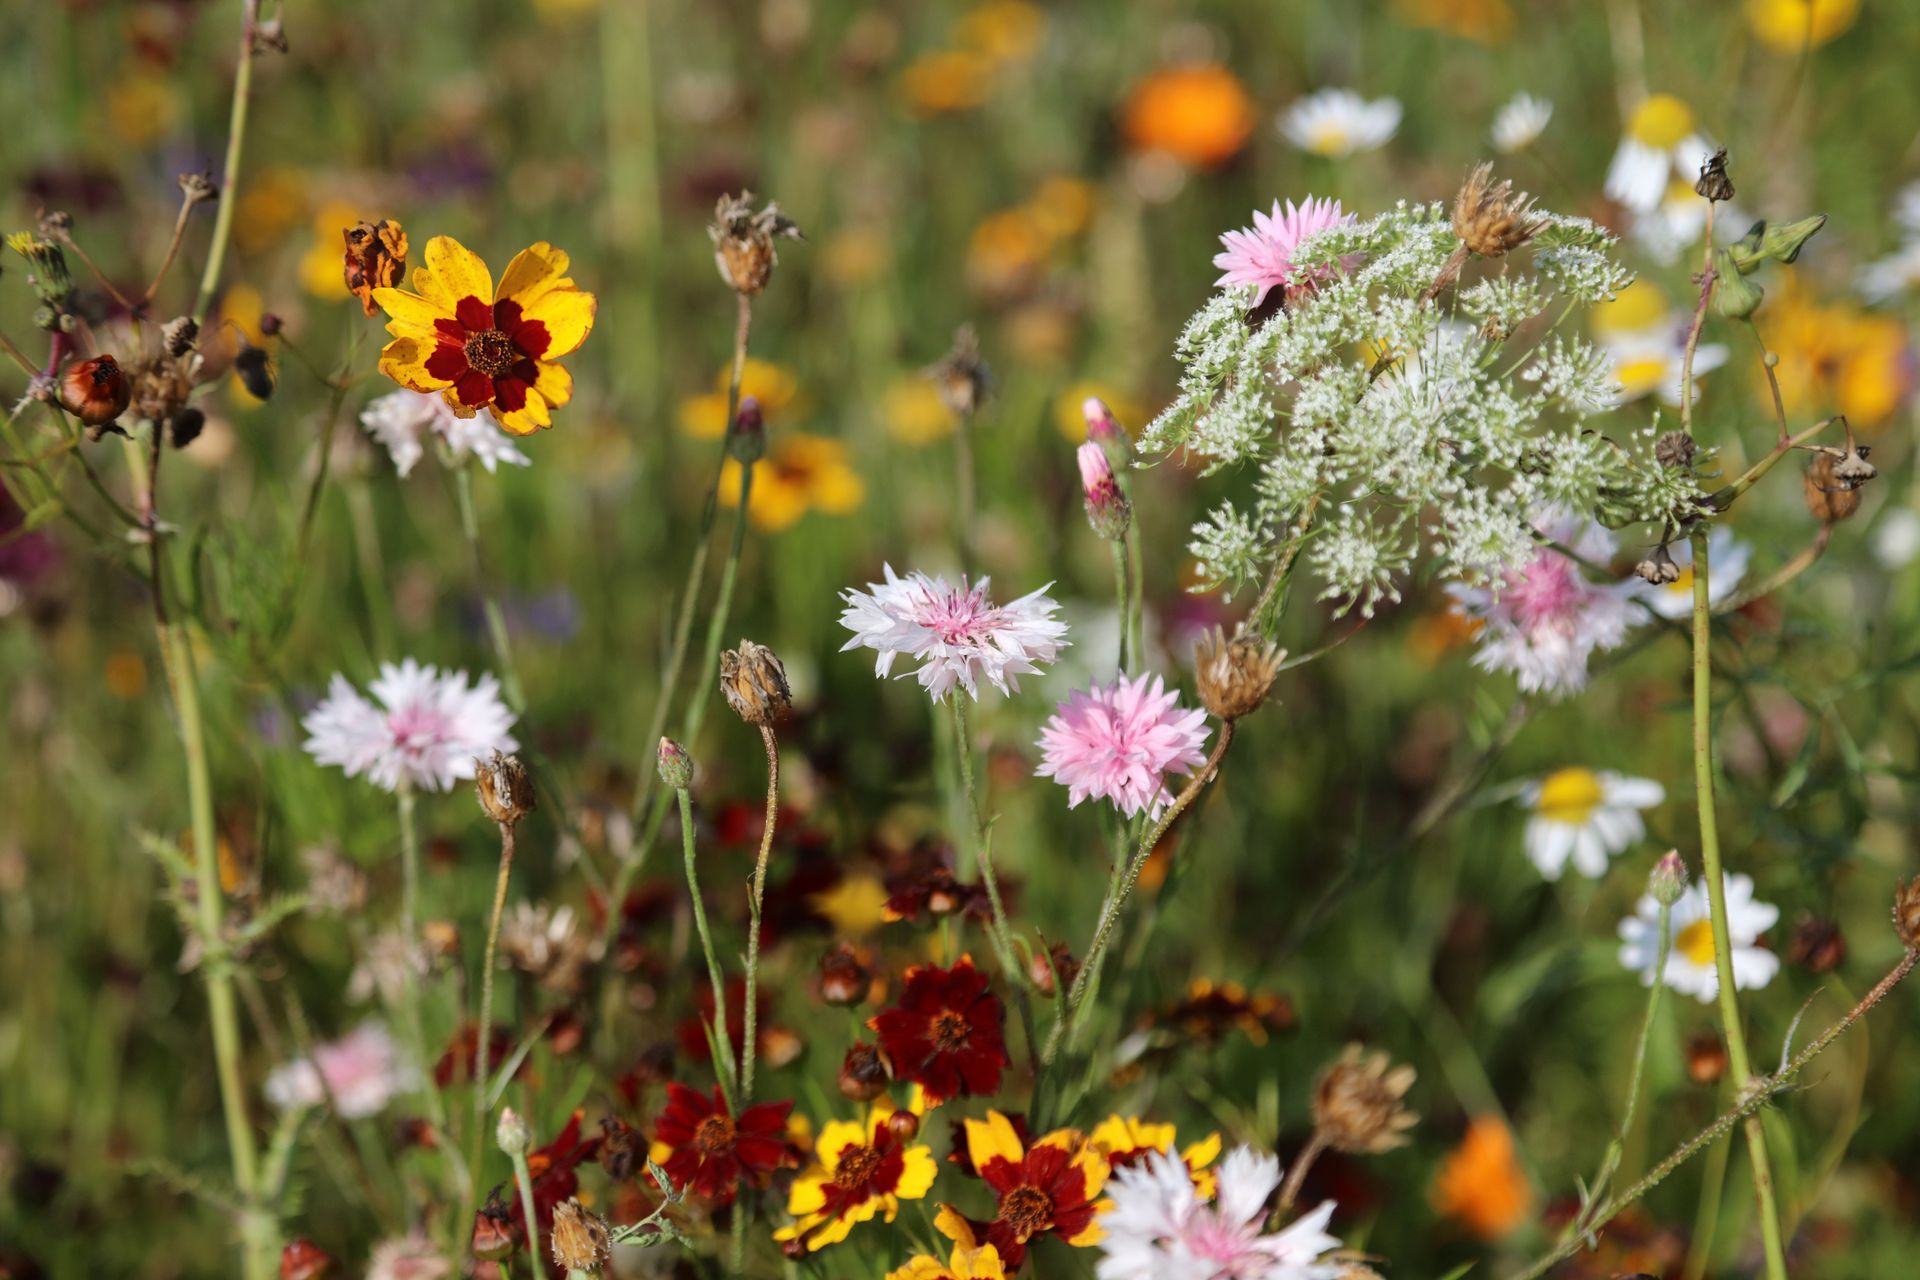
743, 241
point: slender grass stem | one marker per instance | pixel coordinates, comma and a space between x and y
723, 1065
748, 1047
964, 500
482, 1067
230, 174
697, 701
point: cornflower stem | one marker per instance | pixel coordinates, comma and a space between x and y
524, 1177
481, 1065
723, 1067
1297, 1175
964, 500
696, 712
1752, 1096
1110, 914
1706, 1219
1693, 331
748, 1047
1725, 497
229, 179
1125, 600
1737, 1057
410, 933
490, 602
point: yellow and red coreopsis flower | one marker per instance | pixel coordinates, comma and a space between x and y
1050, 1186
1126, 1141
864, 1170
488, 348
973, 1259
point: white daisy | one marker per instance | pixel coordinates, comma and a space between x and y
1896, 539
401, 420
1158, 1228
1586, 816
1660, 142
1690, 966
1651, 360
1676, 224
426, 730
361, 1071
1339, 122
958, 633
1727, 560
1885, 279
1520, 122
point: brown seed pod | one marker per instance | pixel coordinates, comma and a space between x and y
96, 391
755, 684
1830, 498
581, 1240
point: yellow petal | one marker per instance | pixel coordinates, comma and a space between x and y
921, 1268
409, 314
568, 315
1093, 1234
953, 1224
1202, 1153
405, 361
1094, 1168
456, 407
808, 1195
994, 1136
776, 504
527, 419
916, 1173
533, 271
835, 1137
554, 384
838, 490
835, 1231
1065, 1139
457, 273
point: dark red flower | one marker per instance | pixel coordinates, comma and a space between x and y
936, 892
947, 1034
489, 353
713, 1150
1047, 1187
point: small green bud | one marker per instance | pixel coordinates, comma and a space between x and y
747, 437
511, 1133
1783, 243
1734, 296
676, 766
1669, 879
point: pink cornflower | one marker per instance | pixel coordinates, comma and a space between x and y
1108, 510
1158, 1228
1119, 742
362, 1071
425, 733
958, 633
1262, 254
1548, 618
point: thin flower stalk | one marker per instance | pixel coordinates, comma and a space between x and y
748, 1046
1699, 321
1737, 1056
230, 175
723, 1066
696, 712
1124, 601
1724, 498
410, 934
524, 1177
482, 1066
964, 501
489, 600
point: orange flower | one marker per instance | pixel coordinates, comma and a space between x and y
1199, 114
801, 473
1481, 1184
1488, 21
1834, 357
946, 80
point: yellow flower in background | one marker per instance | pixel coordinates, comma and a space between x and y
560, 12
1072, 421
241, 309
913, 412
1481, 1184
945, 81
483, 348
1488, 21
1003, 30
1006, 252
1834, 356
858, 904
1636, 308
1200, 115
855, 256
268, 207
973, 1258
802, 472
1062, 206
320, 271
1791, 26
142, 106
125, 674
704, 417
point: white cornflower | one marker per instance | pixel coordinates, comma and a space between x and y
1690, 958
958, 633
1547, 617
1158, 1228
1520, 122
425, 732
401, 420
1584, 816
1339, 122
1727, 559
361, 1071
1660, 142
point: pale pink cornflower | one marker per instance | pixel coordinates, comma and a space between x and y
1117, 743
404, 420
425, 732
362, 1071
958, 633
1262, 255
1108, 510
1548, 617
1158, 1227
411, 1257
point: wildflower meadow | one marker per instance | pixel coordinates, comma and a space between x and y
959, 641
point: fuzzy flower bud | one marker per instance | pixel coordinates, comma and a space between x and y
511, 1133
743, 248
505, 791
1669, 879
676, 766
198, 188
46, 267
581, 1240
1108, 510
96, 391
1765, 242
1105, 431
747, 437
1906, 914
1658, 568
755, 684
844, 979
1356, 1103
1235, 675
863, 1074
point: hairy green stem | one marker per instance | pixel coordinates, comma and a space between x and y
524, 1177
1128, 652
748, 1047
723, 1064
230, 176
696, 712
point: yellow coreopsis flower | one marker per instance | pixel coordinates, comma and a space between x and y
1835, 357
1127, 1141
1790, 26
483, 348
864, 1171
704, 417
972, 1259
802, 472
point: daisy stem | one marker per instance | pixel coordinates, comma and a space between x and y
1110, 914
1126, 606
229, 179
410, 934
1717, 901
1699, 320
723, 1067
489, 602
524, 1176
481, 1065
748, 1046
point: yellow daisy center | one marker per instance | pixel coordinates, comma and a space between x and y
1661, 121
1570, 796
1682, 585
1695, 942
1637, 377
1328, 137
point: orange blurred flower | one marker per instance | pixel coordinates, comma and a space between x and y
946, 80
1834, 357
1198, 114
1481, 1184
1488, 21
1789, 26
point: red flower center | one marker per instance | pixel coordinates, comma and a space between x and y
949, 1031
491, 352
857, 1167
714, 1135
1027, 1211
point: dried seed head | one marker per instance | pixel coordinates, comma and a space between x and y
581, 1240
961, 377
1235, 675
863, 1073
1658, 567
622, 1149
198, 188
755, 684
302, 1259
254, 367
1852, 468
184, 427
493, 1238
505, 790
844, 978
1713, 183
743, 247
1829, 498
1906, 914
179, 334
1489, 218
1356, 1103
376, 258
548, 944
57, 225
96, 391
1674, 449
1353, 1266
1817, 944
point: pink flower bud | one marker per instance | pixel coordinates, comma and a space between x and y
1105, 432
1107, 508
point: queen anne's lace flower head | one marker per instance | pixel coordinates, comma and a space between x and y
958, 633
1159, 1228
1118, 742
404, 420
422, 728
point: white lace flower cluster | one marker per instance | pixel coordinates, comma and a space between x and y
1385, 427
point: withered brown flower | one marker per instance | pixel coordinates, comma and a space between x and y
376, 258
755, 684
1906, 914
1356, 1103
581, 1241
505, 790
1489, 218
743, 247
961, 377
1234, 676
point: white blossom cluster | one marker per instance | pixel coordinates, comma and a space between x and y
1381, 426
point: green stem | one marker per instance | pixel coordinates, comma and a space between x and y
524, 1177
236, 142
964, 500
723, 1066
496, 621
749, 1046
1706, 1219
1126, 604
1699, 319
410, 935
703, 688
1737, 1057
481, 1080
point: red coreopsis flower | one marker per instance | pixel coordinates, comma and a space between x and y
711, 1151
947, 1034
1051, 1187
